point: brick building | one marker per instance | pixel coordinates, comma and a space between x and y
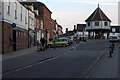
36, 25
24, 23
45, 21
1, 27
60, 32
45, 13
14, 26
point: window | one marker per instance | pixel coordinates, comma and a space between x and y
117, 29
88, 23
25, 17
21, 14
113, 29
15, 10
8, 7
96, 23
0, 8
106, 23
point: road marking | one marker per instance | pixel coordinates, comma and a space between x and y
34, 64
83, 75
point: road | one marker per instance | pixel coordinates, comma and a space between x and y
68, 64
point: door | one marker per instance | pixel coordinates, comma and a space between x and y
14, 40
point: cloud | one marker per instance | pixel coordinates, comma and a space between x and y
101, 3
92, 2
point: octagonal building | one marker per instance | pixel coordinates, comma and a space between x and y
98, 25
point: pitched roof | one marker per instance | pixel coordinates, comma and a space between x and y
98, 15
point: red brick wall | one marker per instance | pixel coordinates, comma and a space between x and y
46, 15
47, 12
21, 38
7, 30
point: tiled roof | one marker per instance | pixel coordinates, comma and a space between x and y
97, 15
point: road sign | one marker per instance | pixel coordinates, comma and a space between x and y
13, 25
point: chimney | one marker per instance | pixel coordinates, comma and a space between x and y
74, 27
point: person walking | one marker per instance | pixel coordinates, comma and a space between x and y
54, 45
42, 40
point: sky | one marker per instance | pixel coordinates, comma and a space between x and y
71, 12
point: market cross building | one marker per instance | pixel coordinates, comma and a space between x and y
98, 25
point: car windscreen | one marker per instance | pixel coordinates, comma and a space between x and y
114, 37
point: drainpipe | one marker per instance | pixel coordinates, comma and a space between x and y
2, 45
28, 28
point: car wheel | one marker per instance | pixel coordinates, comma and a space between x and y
49, 46
64, 45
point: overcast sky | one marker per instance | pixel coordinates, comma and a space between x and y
71, 12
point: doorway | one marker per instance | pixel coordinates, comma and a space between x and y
14, 40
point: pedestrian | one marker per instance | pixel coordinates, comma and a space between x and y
54, 44
42, 40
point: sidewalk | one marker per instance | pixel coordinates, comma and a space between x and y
106, 67
18, 53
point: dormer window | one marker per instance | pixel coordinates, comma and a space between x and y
97, 23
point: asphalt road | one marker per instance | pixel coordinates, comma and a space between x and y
69, 64
119, 62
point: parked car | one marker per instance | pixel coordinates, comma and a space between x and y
114, 39
70, 40
58, 42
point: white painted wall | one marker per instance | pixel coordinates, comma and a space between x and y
119, 13
38, 36
11, 19
31, 20
0, 10
101, 25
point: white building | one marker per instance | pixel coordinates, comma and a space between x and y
1, 28
14, 12
115, 31
15, 26
98, 24
31, 26
119, 13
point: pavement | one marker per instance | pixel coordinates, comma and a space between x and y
106, 67
19, 53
